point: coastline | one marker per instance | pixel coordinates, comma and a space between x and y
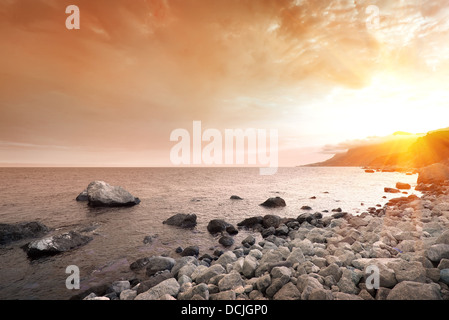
313, 258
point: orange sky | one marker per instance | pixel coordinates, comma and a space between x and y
112, 92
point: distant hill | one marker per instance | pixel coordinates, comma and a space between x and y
400, 150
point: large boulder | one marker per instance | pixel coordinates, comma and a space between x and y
409, 290
101, 194
23, 230
55, 244
217, 225
435, 173
274, 202
182, 220
252, 222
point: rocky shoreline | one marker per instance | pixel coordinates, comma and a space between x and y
309, 258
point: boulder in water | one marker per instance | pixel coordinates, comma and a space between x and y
55, 244
82, 196
22, 230
182, 220
101, 194
274, 202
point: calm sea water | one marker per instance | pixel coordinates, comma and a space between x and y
48, 195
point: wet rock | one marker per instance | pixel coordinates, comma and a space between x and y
231, 230
271, 220
23, 230
274, 202
82, 196
391, 190
226, 241
403, 186
234, 197
182, 220
249, 241
101, 194
253, 222
217, 226
56, 244
191, 251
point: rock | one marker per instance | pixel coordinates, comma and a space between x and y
101, 194
200, 290
268, 232
119, 286
234, 197
409, 290
182, 220
263, 283
23, 230
346, 296
391, 190
56, 244
217, 226
306, 208
332, 270
403, 186
249, 241
159, 263
306, 284
226, 241
443, 238
82, 196
282, 230
274, 202
169, 286
181, 262
226, 258
149, 239
225, 295
321, 294
271, 220
370, 171
128, 294
296, 256
230, 281
191, 251
444, 276
288, 292
349, 281
408, 271
153, 281
249, 267
231, 230
205, 275
435, 173
437, 252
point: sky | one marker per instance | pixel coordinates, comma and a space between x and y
321, 73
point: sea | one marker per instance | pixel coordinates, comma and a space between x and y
48, 195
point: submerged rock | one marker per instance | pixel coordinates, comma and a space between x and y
23, 230
55, 244
182, 220
101, 194
274, 202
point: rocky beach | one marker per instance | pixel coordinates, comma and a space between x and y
397, 252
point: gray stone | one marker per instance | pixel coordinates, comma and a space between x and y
288, 292
169, 286
226, 258
82, 196
181, 262
443, 238
224, 295
306, 284
263, 283
444, 276
128, 294
159, 263
226, 241
182, 220
119, 286
249, 267
437, 252
230, 281
249, 241
208, 273
296, 256
346, 296
408, 271
101, 194
321, 294
274, 202
18, 231
408, 290
349, 281
200, 290
332, 270
56, 244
